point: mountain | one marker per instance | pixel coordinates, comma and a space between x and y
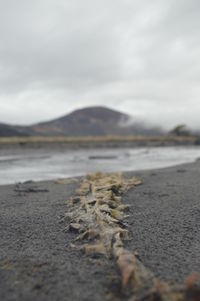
9, 131
91, 121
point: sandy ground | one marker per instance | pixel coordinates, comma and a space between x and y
37, 261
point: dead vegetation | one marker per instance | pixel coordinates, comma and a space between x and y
97, 213
98, 216
87, 141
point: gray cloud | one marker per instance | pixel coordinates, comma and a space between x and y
138, 56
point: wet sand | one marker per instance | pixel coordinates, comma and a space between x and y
37, 261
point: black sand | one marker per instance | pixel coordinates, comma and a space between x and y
36, 258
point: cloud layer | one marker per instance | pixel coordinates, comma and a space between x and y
138, 56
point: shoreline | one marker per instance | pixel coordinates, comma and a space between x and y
97, 142
19, 165
37, 261
125, 172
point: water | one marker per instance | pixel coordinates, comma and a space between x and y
45, 165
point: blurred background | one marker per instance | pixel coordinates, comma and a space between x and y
97, 85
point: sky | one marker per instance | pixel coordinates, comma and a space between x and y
141, 57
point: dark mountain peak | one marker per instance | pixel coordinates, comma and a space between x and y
89, 121
99, 113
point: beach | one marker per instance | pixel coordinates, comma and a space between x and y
38, 262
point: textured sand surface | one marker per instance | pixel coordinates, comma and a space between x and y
38, 263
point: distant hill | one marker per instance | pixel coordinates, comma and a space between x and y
9, 131
91, 121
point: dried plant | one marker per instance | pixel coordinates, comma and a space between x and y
97, 215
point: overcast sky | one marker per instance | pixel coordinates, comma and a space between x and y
138, 56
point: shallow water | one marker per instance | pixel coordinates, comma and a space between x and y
46, 164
